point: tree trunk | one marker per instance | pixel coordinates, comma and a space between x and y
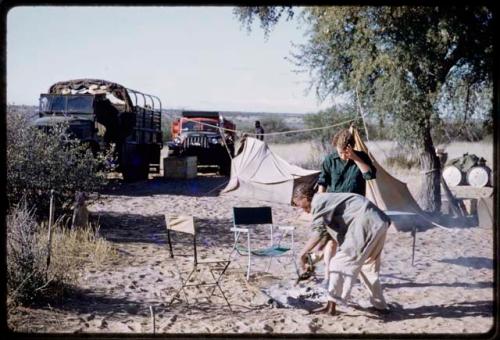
430, 188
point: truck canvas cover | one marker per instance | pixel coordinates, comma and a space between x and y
91, 86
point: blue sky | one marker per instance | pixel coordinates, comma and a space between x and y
190, 57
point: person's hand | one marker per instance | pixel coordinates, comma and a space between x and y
303, 262
350, 154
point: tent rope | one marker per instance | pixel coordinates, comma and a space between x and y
360, 111
240, 132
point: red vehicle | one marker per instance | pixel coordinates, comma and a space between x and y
199, 133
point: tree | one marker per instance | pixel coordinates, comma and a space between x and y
396, 62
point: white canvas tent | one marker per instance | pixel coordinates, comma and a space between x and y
386, 191
259, 173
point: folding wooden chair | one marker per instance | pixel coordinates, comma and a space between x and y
246, 220
215, 267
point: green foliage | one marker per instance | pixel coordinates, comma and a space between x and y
268, 16
38, 162
277, 124
335, 115
396, 61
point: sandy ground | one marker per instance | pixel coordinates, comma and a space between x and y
449, 289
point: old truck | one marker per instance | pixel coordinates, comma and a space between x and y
100, 112
204, 134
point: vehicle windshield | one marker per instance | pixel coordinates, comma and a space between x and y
67, 103
188, 125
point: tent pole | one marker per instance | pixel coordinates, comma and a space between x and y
361, 112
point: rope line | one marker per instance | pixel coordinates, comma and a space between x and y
239, 132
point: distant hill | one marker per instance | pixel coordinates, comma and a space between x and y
246, 119
242, 119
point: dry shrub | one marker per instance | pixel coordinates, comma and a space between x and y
28, 276
73, 249
25, 255
318, 151
401, 158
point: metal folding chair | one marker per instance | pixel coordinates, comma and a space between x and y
215, 268
245, 221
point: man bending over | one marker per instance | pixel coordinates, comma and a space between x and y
358, 229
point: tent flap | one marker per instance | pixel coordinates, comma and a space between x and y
387, 192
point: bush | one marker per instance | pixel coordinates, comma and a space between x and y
277, 124
401, 158
166, 124
28, 277
25, 255
38, 162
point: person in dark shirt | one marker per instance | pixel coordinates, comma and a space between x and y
259, 131
345, 170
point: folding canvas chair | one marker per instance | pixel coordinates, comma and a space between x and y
213, 268
245, 221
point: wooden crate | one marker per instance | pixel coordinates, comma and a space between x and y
180, 167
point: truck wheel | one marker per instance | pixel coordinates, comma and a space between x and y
144, 171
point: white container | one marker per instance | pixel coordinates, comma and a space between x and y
479, 176
453, 176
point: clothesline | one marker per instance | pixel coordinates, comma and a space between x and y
239, 132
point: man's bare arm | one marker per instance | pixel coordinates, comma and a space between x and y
310, 244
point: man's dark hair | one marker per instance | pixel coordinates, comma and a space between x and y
257, 123
304, 190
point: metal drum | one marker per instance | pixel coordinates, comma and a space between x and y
453, 176
479, 176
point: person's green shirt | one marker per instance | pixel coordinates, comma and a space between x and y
345, 176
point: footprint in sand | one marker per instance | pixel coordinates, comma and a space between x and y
171, 322
315, 325
104, 324
268, 328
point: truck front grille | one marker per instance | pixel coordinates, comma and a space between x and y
200, 141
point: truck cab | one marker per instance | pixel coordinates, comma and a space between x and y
204, 134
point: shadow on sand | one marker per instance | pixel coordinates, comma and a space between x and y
203, 185
472, 262
135, 228
458, 310
483, 284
